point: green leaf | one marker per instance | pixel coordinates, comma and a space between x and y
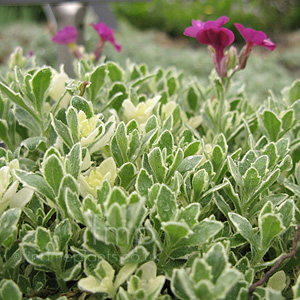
176, 163
277, 282
35, 182
9, 290
166, 204
32, 255
201, 270
192, 149
72, 120
102, 192
200, 183
296, 288
182, 285
40, 86
34, 142
115, 73
116, 151
267, 183
97, 80
8, 224
138, 255
100, 248
273, 295
204, 290
143, 144
63, 131
235, 172
81, 103
287, 210
189, 163
176, 231
193, 98
73, 161
122, 140
272, 124
217, 158
62, 234
144, 182
43, 238
261, 165
251, 181
165, 141
216, 257
172, 85
243, 226
4, 131
203, 231
73, 205
117, 196
190, 214
271, 151
127, 174
288, 119
225, 282
115, 216
270, 226
69, 182
26, 120
234, 197
72, 274
15, 98
222, 205
117, 94
157, 164
53, 171
294, 91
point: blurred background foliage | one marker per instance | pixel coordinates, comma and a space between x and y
173, 16
151, 32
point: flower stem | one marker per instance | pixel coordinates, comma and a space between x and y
220, 94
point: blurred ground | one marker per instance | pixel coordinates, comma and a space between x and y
265, 70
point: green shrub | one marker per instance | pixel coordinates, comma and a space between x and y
135, 187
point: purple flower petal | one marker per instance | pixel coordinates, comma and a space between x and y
216, 24
219, 38
255, 38
66, 36
268, 44
106, 34
192, 30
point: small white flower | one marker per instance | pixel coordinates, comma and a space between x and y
58, 87
8, 192
96, 285
167, 109
90, 182
141, 112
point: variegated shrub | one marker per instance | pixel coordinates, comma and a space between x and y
136, 187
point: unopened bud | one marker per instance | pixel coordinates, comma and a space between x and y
17, 58
232, 58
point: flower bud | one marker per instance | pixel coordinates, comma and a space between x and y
17, 59
58, 87
232, 58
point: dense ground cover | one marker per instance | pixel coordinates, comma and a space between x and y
136, 181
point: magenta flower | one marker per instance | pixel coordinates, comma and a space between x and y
255, 38
219, 39
66, 36
106, 34
252, 38
192, 31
